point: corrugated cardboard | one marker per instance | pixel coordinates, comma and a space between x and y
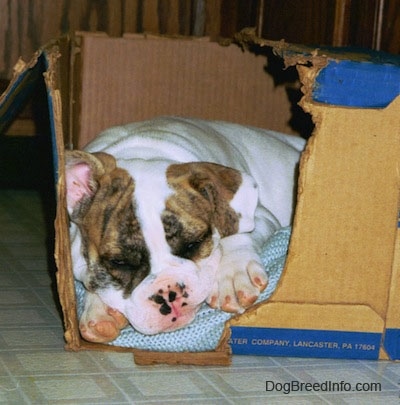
339, 294
142, 78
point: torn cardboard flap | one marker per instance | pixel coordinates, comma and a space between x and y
25, 77
336, 76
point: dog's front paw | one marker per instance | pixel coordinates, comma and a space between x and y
100, 323
240, 278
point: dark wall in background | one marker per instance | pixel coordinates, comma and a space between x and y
25, 25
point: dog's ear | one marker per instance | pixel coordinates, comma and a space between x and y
82, 171
232, 194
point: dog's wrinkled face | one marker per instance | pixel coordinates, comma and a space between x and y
160, 222
100, 201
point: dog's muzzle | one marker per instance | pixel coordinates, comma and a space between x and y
170, 299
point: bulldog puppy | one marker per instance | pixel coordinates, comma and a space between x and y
170, 213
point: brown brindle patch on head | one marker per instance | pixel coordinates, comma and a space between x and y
108, 161
188, 237
113, 243
201, 202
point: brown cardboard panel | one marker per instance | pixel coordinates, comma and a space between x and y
392, 317
132, 79
334, 317
345, 225
217, 358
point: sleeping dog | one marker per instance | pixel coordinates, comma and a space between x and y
170, 213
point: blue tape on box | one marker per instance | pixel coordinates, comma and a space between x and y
357, 84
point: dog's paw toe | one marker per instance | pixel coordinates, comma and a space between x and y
120, 320
246, 298
257, 275
103, 329
230, 304
99, 332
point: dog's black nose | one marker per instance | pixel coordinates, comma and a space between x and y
172, 296
165, 309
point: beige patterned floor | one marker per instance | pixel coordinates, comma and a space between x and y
35, 369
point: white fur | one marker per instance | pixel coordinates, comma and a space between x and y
264, 201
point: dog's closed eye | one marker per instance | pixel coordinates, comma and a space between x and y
119, 263
123, 264
189, 249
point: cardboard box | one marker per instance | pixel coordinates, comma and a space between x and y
339, 292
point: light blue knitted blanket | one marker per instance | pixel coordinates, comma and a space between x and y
205, 332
